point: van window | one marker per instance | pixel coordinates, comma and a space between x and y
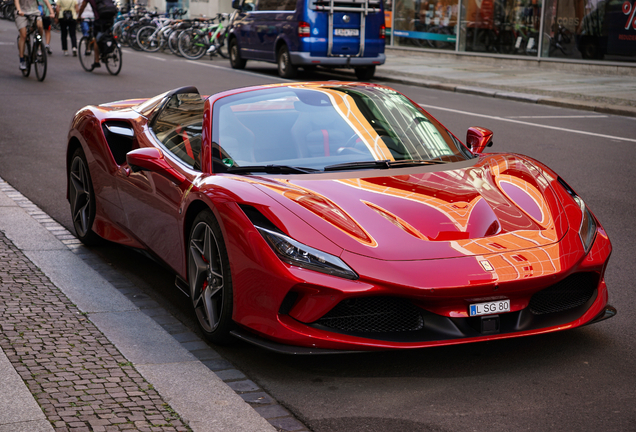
271, 5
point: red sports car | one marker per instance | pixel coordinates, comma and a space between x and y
320, 217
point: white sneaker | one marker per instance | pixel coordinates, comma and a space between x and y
74, 52
22, 64
48, 50
65, 53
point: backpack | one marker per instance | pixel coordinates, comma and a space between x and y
106, 9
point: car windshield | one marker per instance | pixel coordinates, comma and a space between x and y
327, 127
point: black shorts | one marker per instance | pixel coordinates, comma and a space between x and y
46, 22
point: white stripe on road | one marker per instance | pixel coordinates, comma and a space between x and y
559, 117
529, 124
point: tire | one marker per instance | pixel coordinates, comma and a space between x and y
173, 42
27, 57
147, 41
39, 60
82, 199
235, 55
285, 67
82, 49
113, 61
132, 37
365, 73
209, 278
191, 44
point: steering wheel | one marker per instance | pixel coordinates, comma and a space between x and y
352, 147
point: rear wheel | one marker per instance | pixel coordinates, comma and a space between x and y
85, 53
113, 61
365, 73
209, 278
235, 56
39, 60
82, 198
285, 67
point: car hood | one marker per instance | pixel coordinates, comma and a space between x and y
496, 203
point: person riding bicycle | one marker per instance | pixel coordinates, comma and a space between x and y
24, 9
101, 25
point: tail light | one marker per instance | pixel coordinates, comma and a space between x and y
382, 31
304, 29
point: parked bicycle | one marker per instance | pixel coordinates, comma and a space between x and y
194, 43
34, 51
109, 50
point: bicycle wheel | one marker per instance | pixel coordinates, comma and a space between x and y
173, 42
27, 58
39, 60
148, 39
113, 61
132, 37
85, 53
192, 44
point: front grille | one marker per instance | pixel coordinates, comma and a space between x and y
571, 292
373, 315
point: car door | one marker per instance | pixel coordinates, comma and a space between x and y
151, 200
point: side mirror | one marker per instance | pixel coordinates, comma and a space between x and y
478, 138
151, 159
236, 4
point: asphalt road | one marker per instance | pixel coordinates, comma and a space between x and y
579, 380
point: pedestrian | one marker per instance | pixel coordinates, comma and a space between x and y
66, 13
24, 8
46, 25
86, 20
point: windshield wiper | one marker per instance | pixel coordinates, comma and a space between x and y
382, 164
270, 169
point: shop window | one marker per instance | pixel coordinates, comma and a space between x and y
591, 30
426, 23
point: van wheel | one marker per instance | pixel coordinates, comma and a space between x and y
285, 67
235, 56
365, 73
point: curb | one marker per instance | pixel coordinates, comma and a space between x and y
626, 111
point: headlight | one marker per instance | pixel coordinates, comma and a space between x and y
587, 230
301, 255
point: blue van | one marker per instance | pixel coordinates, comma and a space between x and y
309, 33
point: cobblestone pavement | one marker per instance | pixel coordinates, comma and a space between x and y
80, 380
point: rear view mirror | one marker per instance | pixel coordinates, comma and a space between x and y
151, 159
478, 138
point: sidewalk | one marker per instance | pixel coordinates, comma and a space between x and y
76, 354
605, 89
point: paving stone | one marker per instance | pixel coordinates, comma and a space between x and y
81, 381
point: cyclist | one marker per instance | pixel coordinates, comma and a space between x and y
23, 9
100, 25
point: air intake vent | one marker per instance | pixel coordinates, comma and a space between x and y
571, 292
373, 315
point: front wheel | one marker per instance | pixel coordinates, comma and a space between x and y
148, 39
285, 67
113, 60
235, 56
365, 73
209, 278
27, 58
82, 198
39, 60
85, 53
192, 44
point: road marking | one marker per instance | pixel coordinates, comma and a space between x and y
558, 117
529, 124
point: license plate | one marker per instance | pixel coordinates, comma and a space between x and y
346, 32
489, 308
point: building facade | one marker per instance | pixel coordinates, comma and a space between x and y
583, 30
